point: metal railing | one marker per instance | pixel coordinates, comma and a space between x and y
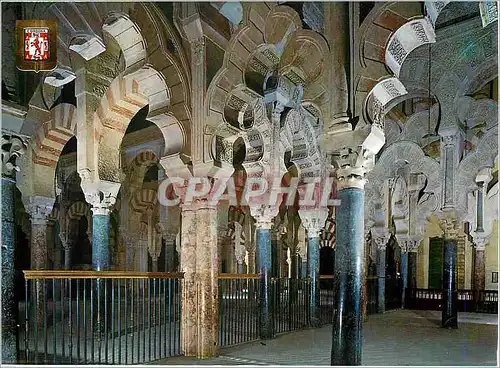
238, 308
290, 304
106, 317
326, 299
478, 301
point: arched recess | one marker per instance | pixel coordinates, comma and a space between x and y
484, 157
138, 167
53, 130
125, 97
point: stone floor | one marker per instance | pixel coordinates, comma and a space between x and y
399, 337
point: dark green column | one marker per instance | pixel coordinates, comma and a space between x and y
9, 304
349, 263
12, 148
313, 275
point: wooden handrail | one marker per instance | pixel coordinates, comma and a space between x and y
238, 276
77, 274
323, 277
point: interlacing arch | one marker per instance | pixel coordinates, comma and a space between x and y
270, 58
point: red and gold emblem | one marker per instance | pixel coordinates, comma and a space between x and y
36, 45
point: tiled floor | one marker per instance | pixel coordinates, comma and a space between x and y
399, 337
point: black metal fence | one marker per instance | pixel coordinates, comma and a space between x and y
482, 301
238, 309
290, 304
87, 317
239, 305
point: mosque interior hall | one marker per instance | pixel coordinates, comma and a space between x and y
250, 183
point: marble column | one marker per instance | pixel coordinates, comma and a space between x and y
479, 273
313, 220
39, 209
101, 195
412, 269
381, 241
169, 255
479, 236
12, 148
313, 275
199, 262
67, 250
9, 304
450, 311
349, 262
263, 265
404, 274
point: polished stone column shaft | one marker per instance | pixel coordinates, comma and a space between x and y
404, 276
169, 256
412, 270
313, 275
349, 262
449, 315
479, 269
9, 304
381, 279
67, 258
199, 262
100, 242
240, 267
264, 262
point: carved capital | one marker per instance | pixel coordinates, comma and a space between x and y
480, 240
101, 195
381, 238
13, 146
449, 225
39, 208
264, 215
313, 220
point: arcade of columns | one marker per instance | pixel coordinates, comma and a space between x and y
279, 91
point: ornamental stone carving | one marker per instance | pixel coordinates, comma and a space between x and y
100, 194
39, 208
480, 240
313, 220
449, 225
13, 146
380, 237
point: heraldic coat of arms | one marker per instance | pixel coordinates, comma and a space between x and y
36, 45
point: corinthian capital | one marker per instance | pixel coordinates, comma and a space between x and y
353, 154
449, 225
100, 194
39, 208
264, 215
313, 220
381, 237
13, 146
480, 240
